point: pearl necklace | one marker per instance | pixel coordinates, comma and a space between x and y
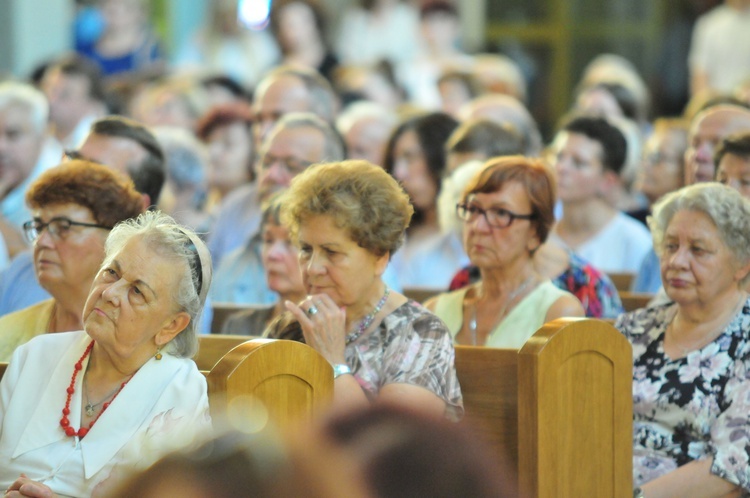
367, 321
64, 422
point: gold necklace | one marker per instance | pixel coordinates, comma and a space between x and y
516, 292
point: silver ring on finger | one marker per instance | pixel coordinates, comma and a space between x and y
312, 310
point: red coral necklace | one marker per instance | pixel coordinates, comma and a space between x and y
64, 422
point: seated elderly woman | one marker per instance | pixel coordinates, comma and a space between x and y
347, 219
79, 408
691, 395
279, 257
508, 211
74, 206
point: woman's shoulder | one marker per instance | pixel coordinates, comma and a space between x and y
416, 317
643, 320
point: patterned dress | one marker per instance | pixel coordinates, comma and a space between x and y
689, 408
410, 346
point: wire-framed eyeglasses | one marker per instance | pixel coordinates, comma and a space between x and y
495, 217
58, 227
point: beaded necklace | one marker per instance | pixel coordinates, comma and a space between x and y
367, 321
64, 422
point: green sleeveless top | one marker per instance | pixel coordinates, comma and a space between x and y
520, 324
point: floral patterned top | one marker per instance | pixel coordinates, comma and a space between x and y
594, 289
689, 408
410, 346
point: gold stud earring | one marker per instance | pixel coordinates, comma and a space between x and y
158, 353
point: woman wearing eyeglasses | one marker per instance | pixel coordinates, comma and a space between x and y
74, 206
508, 212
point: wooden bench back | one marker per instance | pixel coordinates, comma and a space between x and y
214, 346
560, 409
290, 379
575, 411
632, 301
622, 281
222, 311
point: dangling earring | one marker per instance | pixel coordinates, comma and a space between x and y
158, 353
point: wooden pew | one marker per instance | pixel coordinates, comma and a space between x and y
560, 407
622, 281
222, 311
421, 294
290, 379
214, 346
3, 367
634, 300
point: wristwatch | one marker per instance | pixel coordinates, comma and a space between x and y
340, 369
638, 493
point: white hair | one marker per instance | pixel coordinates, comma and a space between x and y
16, 93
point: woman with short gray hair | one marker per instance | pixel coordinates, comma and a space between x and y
691, 397
79, 410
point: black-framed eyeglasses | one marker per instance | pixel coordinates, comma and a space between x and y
57, 227
495, 217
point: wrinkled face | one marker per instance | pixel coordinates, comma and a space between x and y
367, 140
20, 145
410, 168
279, 256
69, 261
334, 264
734, 171
287, 153
579, 167
131, 305
230, 152
662, 170
491, 246
696, 265
276, 97
68, 96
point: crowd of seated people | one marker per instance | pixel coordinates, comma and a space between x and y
435, 180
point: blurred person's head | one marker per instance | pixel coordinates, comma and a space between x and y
501, 75
732, 160
298, 23
223, 89
23, 121
279, 254
439, 25
457, 88
415, 156
406, 454
505, 109
128, 146
74, 89
615, 69
707, 130
174, 102
297, 141
291, 89
662, 169
590, 154
366, 127
607, 100
227, 132
481, 139
186, 187
123, 15
372, 83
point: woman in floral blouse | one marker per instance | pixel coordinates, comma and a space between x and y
691, 356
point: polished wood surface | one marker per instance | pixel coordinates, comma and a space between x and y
213, 347
489, 385
575, 411
222, 311
421, 294
622, 281
290, 379
3, 367
632, 301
